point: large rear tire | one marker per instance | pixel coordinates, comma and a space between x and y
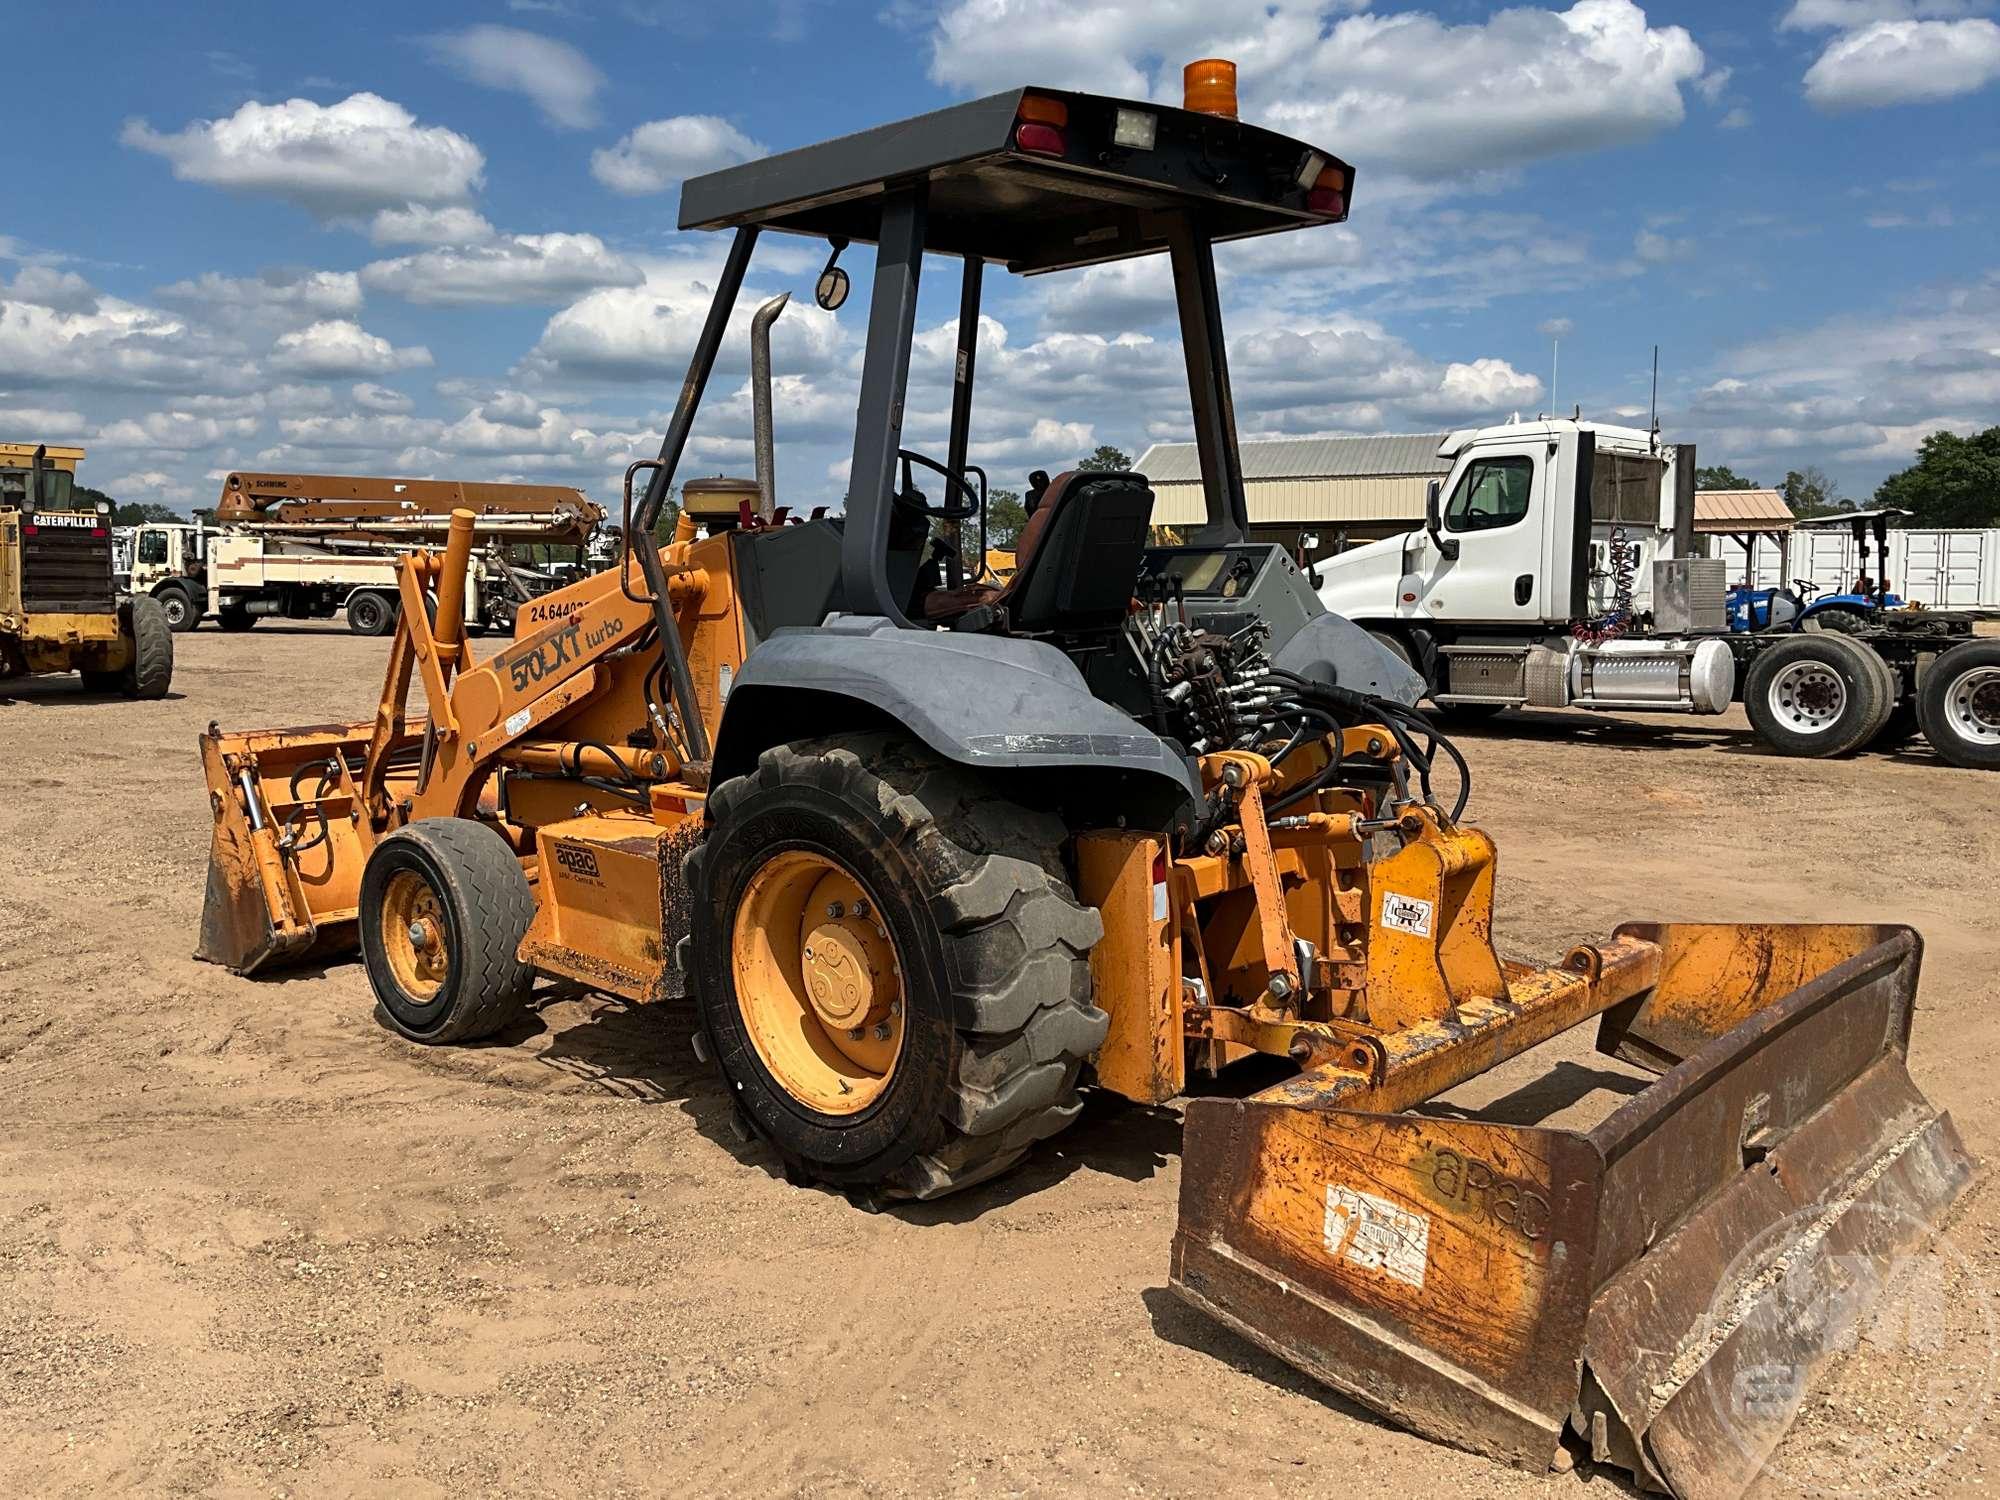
234, 617
151, 671
444, 906
1958, 705
963, 1041
1816, 695
370, 613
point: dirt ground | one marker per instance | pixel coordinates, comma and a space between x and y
250, 1243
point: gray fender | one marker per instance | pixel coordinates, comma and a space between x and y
985, 701
1332, 648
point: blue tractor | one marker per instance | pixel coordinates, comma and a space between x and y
1856, 611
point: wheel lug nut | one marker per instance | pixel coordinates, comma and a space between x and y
854, 1035
835, 910
418, 937
881, 1032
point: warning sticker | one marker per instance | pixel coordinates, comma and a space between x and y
1406, 914
1377, 1235
518, 721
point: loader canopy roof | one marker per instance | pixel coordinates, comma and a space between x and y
1036, 180
1071, 194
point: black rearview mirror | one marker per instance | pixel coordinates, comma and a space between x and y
1447, 547
832, 287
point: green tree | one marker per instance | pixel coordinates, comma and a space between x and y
1954, 482
1722, 477
136, 514
1005, 516
1809, 492
670, 517
1106, 460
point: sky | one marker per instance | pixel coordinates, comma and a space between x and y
439, 240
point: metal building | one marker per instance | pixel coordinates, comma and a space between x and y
1366, 487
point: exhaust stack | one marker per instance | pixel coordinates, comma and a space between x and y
760, 403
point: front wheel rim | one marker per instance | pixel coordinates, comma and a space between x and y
1808, 697
819, 986
413, 934
1972, 705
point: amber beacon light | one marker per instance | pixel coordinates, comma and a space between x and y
1210, 86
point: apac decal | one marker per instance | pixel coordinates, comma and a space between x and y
577, 859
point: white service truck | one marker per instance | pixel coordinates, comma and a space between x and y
1557, 567
305, 547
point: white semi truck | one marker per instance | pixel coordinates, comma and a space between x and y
1557, 568
307, 546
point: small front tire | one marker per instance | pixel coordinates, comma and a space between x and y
444, 906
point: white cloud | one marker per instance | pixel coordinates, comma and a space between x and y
1736, 119
1711, 84
362, 154
423, 224
1862, 388
518, 268
371, 397
342, 350
649, 330
1657, 249
661, 154
150, 484
45, 286
558, 79
1852, 15
109, 345
271, 299
1905, 62
45, 423
1556, 328
1407, 93
175, 431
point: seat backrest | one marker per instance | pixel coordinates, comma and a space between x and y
1079, 553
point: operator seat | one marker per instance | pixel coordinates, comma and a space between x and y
1074, 562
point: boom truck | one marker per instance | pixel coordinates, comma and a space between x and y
932, 855
306, 546
59, 611
1556, 568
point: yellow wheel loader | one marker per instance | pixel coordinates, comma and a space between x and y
59, 604
934, 856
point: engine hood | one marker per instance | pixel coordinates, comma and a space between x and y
1361, 582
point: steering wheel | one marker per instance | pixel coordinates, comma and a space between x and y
959, 509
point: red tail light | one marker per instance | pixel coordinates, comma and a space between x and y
1329, 201
29, 530
97, 531
1042, 140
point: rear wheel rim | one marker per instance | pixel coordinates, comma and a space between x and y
1807, 697
413, 936
175, 609
818, 982
1972, 705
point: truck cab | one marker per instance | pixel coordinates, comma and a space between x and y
169, 563
1520, 532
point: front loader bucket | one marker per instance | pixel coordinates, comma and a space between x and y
1665, 1284
285, 859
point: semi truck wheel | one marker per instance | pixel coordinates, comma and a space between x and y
178, 605
369, 613
1817, 694
444, 906
1958, 705
234, 617
890, 967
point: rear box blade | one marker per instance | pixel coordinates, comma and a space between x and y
1664, 1285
